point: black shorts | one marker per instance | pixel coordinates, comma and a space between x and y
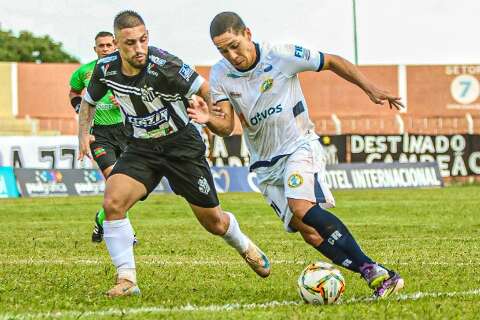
179, 157
110, 142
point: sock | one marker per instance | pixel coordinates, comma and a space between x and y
337, 256
101, 216
118, 235
234, 236
336, 234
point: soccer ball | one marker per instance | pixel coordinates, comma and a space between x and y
321, 283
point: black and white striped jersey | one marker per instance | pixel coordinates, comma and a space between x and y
155, 101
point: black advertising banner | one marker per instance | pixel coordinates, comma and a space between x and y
232, 151
59, 182
456, 155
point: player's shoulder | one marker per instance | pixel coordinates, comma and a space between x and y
220, 70
112, 57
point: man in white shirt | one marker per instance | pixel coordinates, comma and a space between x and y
260, 83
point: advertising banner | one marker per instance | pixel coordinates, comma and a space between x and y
456, 155
56, 152
59, 182
8, 185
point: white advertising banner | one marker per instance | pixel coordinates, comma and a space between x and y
55, 152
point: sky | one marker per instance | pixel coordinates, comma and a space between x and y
389, 31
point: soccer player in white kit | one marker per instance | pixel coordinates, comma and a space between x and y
260, 83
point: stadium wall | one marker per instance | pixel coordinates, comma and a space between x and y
442, 99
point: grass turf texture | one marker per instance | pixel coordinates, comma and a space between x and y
49, 268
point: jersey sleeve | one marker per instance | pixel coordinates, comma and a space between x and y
217, 91
76, 80
295, 59
96, 87
182, 78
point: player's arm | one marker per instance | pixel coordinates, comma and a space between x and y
95, 91
218, 118
76, 88
351, 73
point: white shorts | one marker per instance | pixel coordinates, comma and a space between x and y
304, 178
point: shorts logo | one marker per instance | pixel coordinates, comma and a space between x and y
295, 180
186, 72
203, 185
99, 151
266, 85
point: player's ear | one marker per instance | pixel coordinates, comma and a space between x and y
247, 33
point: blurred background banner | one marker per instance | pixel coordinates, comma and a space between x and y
8, 184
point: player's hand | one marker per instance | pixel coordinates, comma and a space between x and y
380, 97
84, 141
198, 110
114, 101
217, 111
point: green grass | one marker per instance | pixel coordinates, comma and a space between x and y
48, 264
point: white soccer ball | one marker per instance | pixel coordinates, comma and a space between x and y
321, 283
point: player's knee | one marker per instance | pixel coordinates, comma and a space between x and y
216, 225
113, 207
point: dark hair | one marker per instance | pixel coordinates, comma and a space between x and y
102, 34
127, 19
226, 21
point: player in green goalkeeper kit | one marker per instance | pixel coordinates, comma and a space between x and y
109, 134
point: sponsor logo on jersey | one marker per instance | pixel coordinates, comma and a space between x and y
260, 116
295, 180
268, 68
107, 59
158, 61
235, 94
266, 85
302, 53
151, 120
151, 69
186, 72
107, 73
203, 185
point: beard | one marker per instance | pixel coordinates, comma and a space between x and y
138, 65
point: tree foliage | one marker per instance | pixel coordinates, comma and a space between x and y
28, 48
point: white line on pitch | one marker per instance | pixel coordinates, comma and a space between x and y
218, 308
159, 262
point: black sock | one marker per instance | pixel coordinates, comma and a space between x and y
337, 256
336, 234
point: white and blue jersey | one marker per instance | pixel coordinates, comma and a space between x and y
270, 104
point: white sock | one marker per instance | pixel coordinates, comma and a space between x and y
234, 236
118, 235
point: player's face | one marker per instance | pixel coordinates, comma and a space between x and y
133, 45
238, 49
104, 46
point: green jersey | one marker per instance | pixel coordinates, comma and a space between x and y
106, 113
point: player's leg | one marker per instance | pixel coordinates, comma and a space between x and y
121, 193
105, 152
132, 179
225, 225
305, 186
192, 179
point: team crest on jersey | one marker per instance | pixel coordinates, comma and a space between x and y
148, 94
186, 72
203, 185
295, 180
266, 85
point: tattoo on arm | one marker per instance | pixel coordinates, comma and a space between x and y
85, 117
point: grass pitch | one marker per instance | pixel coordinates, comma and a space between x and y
50, 269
